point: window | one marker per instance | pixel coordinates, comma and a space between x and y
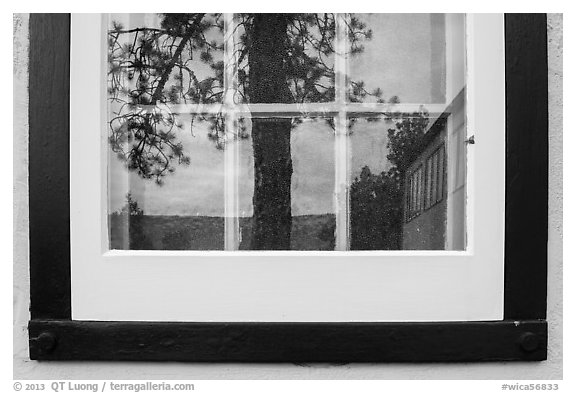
414, 194
435, 178
326, 187
349, 306
197, 160
426, 189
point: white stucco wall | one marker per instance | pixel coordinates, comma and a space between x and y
27, 369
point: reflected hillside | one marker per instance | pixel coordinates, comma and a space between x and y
310, 232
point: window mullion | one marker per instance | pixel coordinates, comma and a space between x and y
341, 139
231, 223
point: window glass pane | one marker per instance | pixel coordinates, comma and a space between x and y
397, 171
408, 58
286, 58
165, 58
180, 210
285, 178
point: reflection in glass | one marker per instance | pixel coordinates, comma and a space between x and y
399, 189
165, 58
375, 197
208, 151
166, 170
290, 58
405, 59
309, 192
185, 212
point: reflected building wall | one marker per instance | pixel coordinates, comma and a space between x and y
457, 132
443, 226
456, 136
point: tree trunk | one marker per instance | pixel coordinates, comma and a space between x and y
272, 220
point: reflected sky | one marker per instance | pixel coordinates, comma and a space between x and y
404, 58
368, 142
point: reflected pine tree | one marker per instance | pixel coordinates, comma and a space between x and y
376, 200
375, 211
129, 222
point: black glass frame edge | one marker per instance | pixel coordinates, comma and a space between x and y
521, 336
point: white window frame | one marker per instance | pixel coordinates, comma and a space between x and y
289, 285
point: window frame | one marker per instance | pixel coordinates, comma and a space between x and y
521, 335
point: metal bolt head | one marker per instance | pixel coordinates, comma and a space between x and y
529, 342
46, 342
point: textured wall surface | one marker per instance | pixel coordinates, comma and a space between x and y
26, 369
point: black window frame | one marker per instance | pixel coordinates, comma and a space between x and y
521, 335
